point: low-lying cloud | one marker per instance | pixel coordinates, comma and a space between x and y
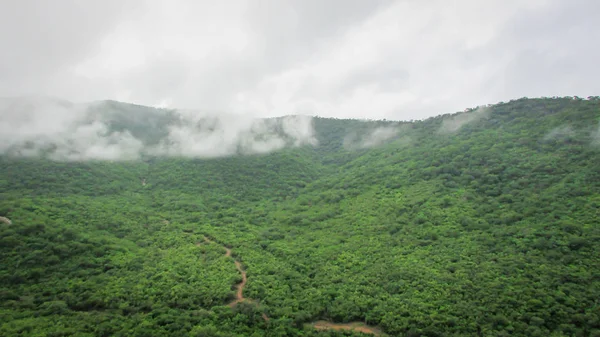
225, 135
559, 133
380, 136
375, 137
64, 131
456, 122
596, 136
567, 133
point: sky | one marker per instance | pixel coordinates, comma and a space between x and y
371, 59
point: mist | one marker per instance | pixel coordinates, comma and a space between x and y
559, 133
596, 136
376, 137
63, 131
455, 123
200, 135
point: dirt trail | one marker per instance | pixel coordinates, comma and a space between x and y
353, 326
319, 325
241, 285
239, 297
5, 220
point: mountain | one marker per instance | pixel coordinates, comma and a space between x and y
109, 130
123, 220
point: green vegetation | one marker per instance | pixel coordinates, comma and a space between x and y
481, 223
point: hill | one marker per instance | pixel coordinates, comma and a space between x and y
134, 221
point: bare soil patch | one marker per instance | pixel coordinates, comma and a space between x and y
352, 326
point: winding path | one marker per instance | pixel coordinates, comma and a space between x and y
239, 296
319, 325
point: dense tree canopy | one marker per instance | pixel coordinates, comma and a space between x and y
484, 222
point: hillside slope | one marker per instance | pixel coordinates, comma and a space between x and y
483, 223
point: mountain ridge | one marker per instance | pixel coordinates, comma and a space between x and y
452, 226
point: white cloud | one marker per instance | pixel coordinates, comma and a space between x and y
22, 120
30, 127
64, 131
210, 135
94, 142
456, 122
342, 58
378, 136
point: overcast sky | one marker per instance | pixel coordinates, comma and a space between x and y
340, 58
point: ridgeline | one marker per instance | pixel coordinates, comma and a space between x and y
480, 223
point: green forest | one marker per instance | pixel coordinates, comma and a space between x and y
484, 222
